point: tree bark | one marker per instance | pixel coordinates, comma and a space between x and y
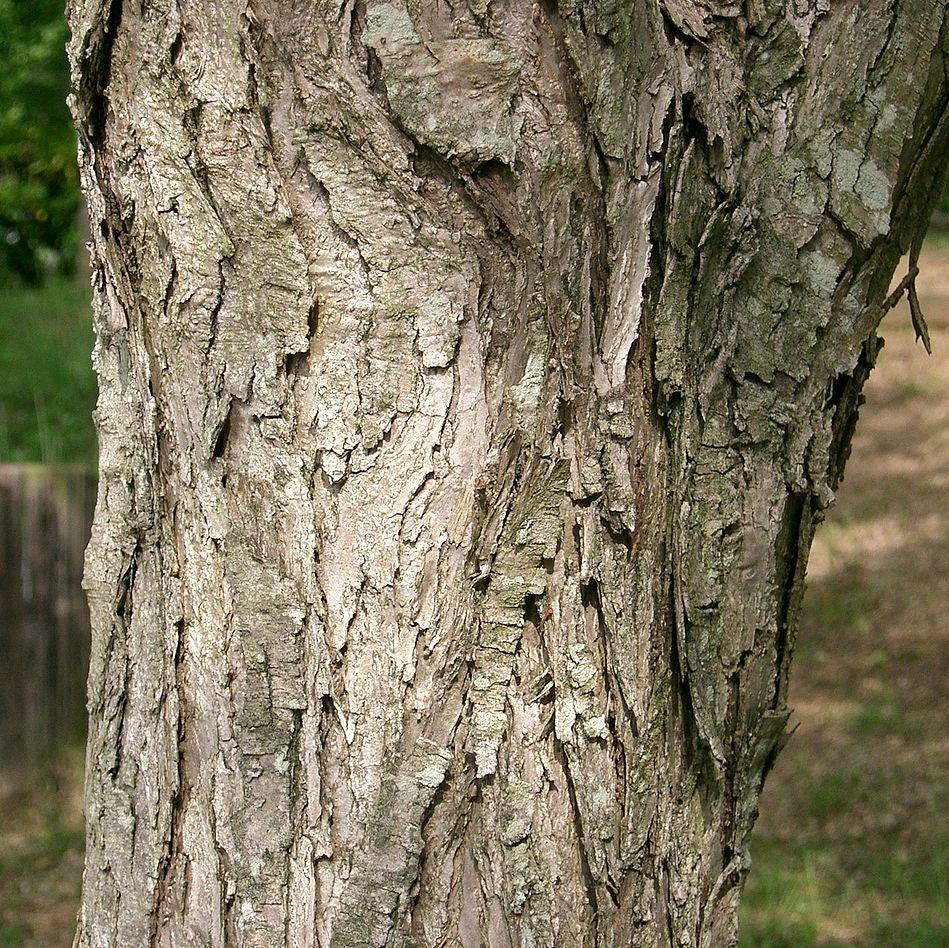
472, 379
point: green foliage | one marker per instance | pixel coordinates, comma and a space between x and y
47, 387
39, 189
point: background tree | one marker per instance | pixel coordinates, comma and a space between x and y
471, 383
39, 185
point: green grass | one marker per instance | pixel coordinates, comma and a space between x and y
796, 892
41, 842
847, 603
47, 386
938, 237
879, 718
863, 863
910, 388
37, 862
13, 935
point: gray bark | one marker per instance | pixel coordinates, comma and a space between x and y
473, 377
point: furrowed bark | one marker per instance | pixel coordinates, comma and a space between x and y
472, 379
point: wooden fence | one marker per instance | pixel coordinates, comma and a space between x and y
45, 518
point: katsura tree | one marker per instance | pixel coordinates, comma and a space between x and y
472, 378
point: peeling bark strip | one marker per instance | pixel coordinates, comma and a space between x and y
472, 378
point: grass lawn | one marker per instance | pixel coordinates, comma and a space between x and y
41, 843
47, 387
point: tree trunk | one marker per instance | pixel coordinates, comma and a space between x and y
472, 379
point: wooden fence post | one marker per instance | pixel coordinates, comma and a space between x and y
45, 518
